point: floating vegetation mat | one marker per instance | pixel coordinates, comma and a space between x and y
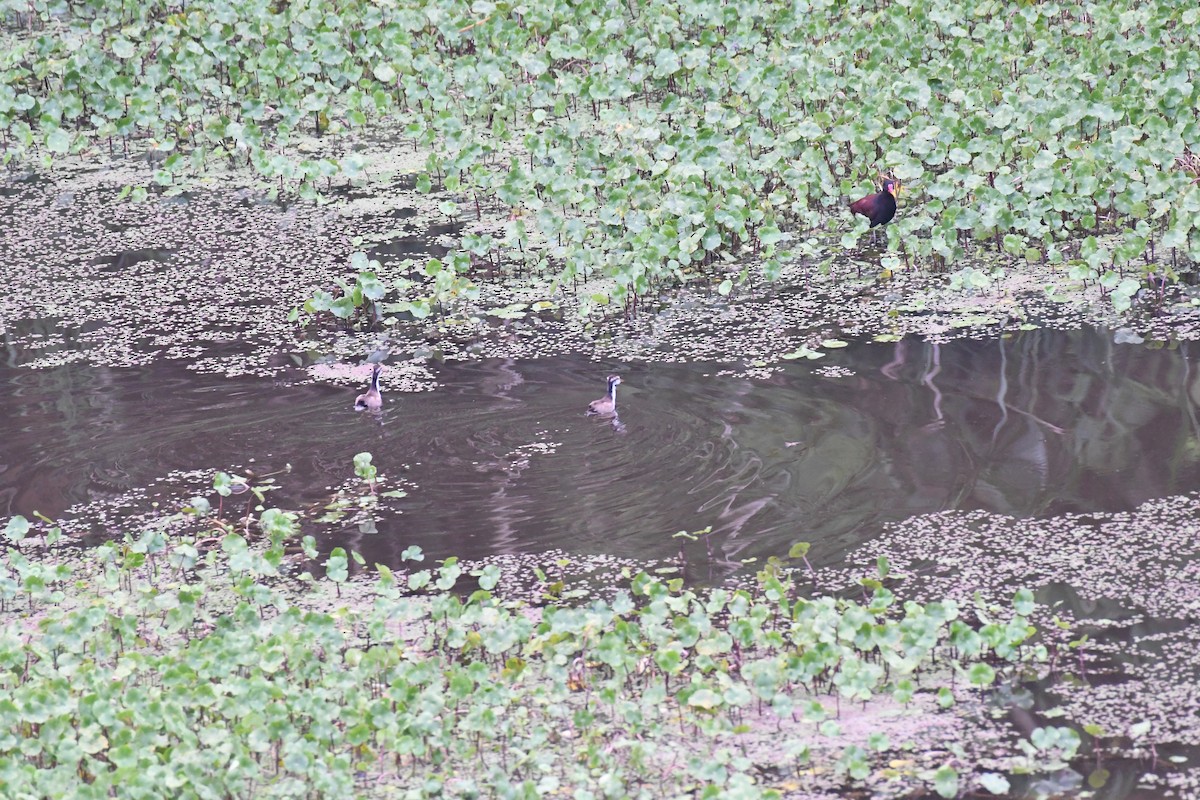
911, 668
1125, 587
525, 185
239, 661
209, 278
660, 136
205, 279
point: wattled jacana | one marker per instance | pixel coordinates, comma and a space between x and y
879, 208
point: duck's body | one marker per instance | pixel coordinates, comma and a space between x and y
607, 405
880, 207
372, 398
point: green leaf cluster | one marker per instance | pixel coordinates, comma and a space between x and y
195, 666
370, 299
649, 142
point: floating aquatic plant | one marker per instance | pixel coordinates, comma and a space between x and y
345, 685
1122, 584
658, 141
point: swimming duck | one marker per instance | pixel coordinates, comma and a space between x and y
606, 405
372, 398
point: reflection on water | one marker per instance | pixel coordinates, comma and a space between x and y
504, 459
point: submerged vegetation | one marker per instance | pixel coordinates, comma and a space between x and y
203, 657
646, 142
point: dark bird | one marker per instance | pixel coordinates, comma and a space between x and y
372, 398
607, 405
879, 208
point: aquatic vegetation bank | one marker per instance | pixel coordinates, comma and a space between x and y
650, 142
185, 665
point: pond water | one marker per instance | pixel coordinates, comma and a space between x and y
501, 459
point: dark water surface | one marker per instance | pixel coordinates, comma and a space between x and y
503, 459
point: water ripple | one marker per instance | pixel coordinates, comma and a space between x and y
502, 459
